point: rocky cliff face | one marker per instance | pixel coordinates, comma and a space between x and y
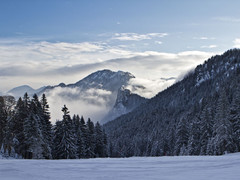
125, 102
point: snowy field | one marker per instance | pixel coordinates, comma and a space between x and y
162, 168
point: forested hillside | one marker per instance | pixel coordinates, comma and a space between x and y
199, 115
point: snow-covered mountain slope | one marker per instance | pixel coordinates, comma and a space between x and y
21, 90
141, 168
104, 79
125, 102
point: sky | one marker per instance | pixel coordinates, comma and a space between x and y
49, 42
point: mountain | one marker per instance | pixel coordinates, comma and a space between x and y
125, 102
93, 96
199, 115
103, 79
21, 90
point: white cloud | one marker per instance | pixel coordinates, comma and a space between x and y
158, 42
94, 103
204, 38
209, 46
228, 19
237, 43
151, 86
47, 63
137, 37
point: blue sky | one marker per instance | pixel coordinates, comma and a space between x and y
66, 36
78, 21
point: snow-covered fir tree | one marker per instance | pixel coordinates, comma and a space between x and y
3, 120
182, 135
223, 132
65, 141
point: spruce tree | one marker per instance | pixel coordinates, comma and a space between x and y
194, 137
182, 136
46, 127
90, 139
235, 118
206, 126
33, 137
79, 135
223, 134
65, 139
22, 110
99, 141
83, 141
3, 120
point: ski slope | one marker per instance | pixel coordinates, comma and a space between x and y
161, 168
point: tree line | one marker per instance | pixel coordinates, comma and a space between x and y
26, 132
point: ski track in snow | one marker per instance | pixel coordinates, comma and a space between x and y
225, 167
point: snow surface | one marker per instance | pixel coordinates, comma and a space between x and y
162, 168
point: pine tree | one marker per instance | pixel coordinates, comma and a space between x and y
181, 136
90, 139
105, 144
83, 129
26, 102
99, 141
46, 127
206, 126
235, 118
194, 138
10, 140
223, 135
171, 139
65, 139
3, 120
17, 124
57, 140
33, 137
80, 137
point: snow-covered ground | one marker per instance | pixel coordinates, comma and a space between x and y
161, 168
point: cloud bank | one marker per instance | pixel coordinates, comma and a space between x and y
93, 103
137, 37
50, 63
237, 43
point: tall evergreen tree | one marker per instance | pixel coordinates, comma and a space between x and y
46, 127
206, 125
90, 139
65, 140
33, 138
17, 124
223, 134
181, 137
83, 130
194, 137
36, 137
99, 141
79, 137
235, 118
3, 120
